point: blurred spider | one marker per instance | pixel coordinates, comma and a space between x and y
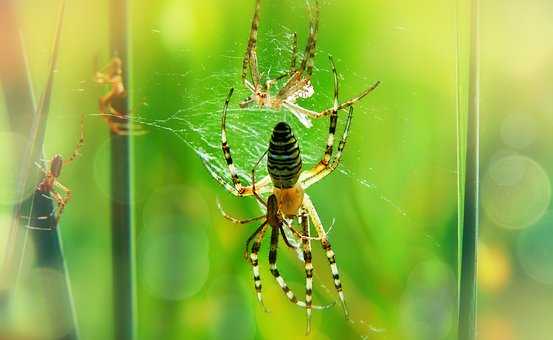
49, 183
111, 103
298, 84
286, 184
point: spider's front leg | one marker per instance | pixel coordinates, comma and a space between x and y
237, 189
303, 112
254, 259
325, 167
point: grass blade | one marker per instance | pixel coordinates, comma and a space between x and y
121, 224
469, 243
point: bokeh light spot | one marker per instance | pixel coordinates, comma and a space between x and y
427, 307
182, 22
515, 192
495, 328
174, 258
535, 250
494, 268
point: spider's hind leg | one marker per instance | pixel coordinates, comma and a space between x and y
254, 260
328, 251
274, 270
306, 242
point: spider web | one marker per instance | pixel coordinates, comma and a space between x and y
198, 121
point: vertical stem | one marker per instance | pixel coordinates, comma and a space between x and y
122, 233
467, 302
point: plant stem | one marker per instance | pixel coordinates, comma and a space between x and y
26, 121
122, 232
468, 285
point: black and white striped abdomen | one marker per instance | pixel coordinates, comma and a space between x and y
283, 159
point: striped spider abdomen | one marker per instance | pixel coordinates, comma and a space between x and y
283, 158
284, 166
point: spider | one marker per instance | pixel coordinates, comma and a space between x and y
50, 181
286, 183
110, 103
298, 84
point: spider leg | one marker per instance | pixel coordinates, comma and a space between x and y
250, 57
324, 167
238, 189
344, 105
307, 257
269, 83
246, 102
274, 270
305, 114
76, 152
237, 220
309, 54
328, 250
297, 80
286, 240
41, 168
294, 54
62, 201
258, 235
256, 194
276, 273
333, 119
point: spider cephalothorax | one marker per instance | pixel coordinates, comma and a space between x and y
285, 185
297, 84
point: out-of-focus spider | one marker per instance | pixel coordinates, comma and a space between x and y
298, 84
110, 104
286, 184
49, 183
